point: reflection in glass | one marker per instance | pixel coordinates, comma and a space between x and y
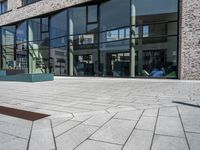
114, 38
21, 46
83, 41
38, 46
154, 38
58, 42
8, 47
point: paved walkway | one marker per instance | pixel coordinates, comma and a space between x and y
102, 114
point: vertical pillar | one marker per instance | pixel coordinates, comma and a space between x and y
71, 49
132, 36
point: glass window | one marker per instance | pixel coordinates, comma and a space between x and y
26, 2
114, 38
58, 42
59, 24
154, 39
92, 13
45, 24
145, 31
21, 46
114, 14
38, 45
8, 47
77, 20
3, 6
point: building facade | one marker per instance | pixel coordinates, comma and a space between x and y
109, 38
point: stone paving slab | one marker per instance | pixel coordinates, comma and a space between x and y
41, 136
169, 126
115, 131
139, 140
102, 114
74, 137
194, 141
97, 145
169, 143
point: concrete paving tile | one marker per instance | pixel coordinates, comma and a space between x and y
81, 117
189, 111
169, 126
15, 144
191, 118
130, 115
139, 140
74, 137
42, 136
64, 127
98, 120
16, 130
146, 123
169, 143
114, 131
150, 112
5, 138
120, 109
15, 121
191, 123
194, 140
90, 106
96, 145
169, 112
91, 113
68, 109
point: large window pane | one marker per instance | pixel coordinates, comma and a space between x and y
77, 20
21, 46
114, 38
114, 14
92, 13
8, 47
58, 42
38, 45
155, 46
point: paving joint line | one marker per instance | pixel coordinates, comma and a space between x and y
154, 132
104, 142
133, 129
13, 135
183, 128
72, 127
29, 139
54, 139
95, 131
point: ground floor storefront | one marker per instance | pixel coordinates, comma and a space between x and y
111, 38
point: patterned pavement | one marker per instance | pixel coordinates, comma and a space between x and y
102, 114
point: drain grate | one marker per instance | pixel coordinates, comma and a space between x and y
27, 115
188, 104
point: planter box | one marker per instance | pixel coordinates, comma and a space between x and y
28, 77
